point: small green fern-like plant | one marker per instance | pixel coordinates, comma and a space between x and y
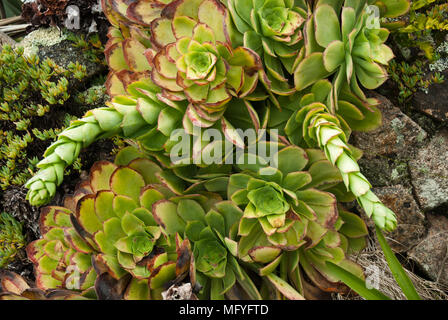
425, 28
411, 78
37, 101
11, 238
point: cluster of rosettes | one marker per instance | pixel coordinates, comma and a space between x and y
134, 229
290, 68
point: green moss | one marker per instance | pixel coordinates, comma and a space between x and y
11, 238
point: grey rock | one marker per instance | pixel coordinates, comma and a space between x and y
411, 226
64, 52
383, 171
396, 137
431, 254
5, 39
429, 172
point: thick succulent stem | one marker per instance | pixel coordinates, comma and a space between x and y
96, 124
333, 141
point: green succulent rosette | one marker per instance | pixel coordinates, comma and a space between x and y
281, 202
113, 214
15, 287
209, 227
288, 212
192, 60
61, 258
274, 30
346, 41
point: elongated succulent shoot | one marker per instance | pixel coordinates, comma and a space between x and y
324, 129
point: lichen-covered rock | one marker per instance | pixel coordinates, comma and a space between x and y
382, 171
396, 137
386, 149
64, 52
429, 172
411, 220
434, 102
431, 254
41, 37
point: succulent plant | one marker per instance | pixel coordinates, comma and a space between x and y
286, 212
125, 50
114, 215
347, 238
11, 238
313, 125
193, 59
280, 199
30, 89
347, 42
266, 227
121, 118
61, 258
273, 29
208, 222
14, 287
140, 115
108, 227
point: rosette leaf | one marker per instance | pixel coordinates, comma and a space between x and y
209, 226
15, 287
347, 42
281, 202
274, 30
193, 60
62, 259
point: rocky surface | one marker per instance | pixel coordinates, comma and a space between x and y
52, 43
429, 172
395, 138
388, 148
434, 102
411, 227
408, 168
5, 39
431, 254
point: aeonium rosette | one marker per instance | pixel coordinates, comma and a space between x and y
273, 29
192, 59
